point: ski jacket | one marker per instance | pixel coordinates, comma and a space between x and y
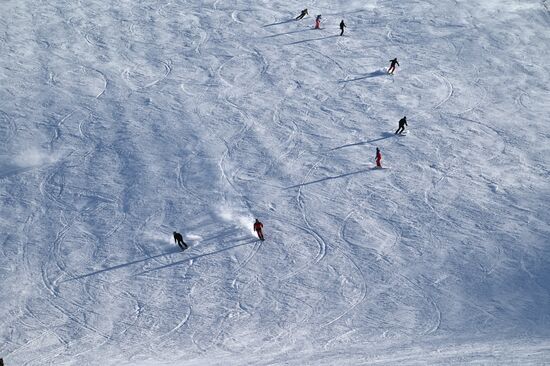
258, 226
342, 25
378, 155
403, 122
394, 61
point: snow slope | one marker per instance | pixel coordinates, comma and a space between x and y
122, 121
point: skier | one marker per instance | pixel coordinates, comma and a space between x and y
402, 124
378, 158
342, 26
392, 65
258, 226
303, 13
318, 22
178, 239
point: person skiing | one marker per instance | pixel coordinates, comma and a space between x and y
392, 65
378, 158
178, 239
402, 124
318, 22
303, 13
342, 26
258, 226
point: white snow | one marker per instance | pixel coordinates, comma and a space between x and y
123, 121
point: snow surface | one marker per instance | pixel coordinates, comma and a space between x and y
122, 121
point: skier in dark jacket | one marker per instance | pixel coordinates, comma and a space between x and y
402, 124
258, 226
303, 13
392, 65
178, 239
378, 158
342, 26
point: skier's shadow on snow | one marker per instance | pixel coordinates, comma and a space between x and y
291, 32
279, 23
329, 178
248, 242
7, 170
312, 40
165, 254
385, 135
367, 76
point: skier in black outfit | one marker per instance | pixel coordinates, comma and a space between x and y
342, 26
402, 124
303, 13
179, 240
392, 65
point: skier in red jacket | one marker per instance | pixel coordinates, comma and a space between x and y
378, 158
258, 226
318, 22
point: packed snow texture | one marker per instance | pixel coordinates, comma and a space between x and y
123, 121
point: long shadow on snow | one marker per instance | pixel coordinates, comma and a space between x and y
124, 265
224, 233
9, 170
291, 32
385, 135
313, 39
174, 251
283, 22
330, 178
369, 75
197, 256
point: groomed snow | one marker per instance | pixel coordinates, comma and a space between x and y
122, 121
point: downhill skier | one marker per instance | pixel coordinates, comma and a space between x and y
378, 158
391, 70
402, 124
178, 239
303, 13
258, 226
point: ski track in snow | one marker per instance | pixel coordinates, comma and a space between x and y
449, 93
